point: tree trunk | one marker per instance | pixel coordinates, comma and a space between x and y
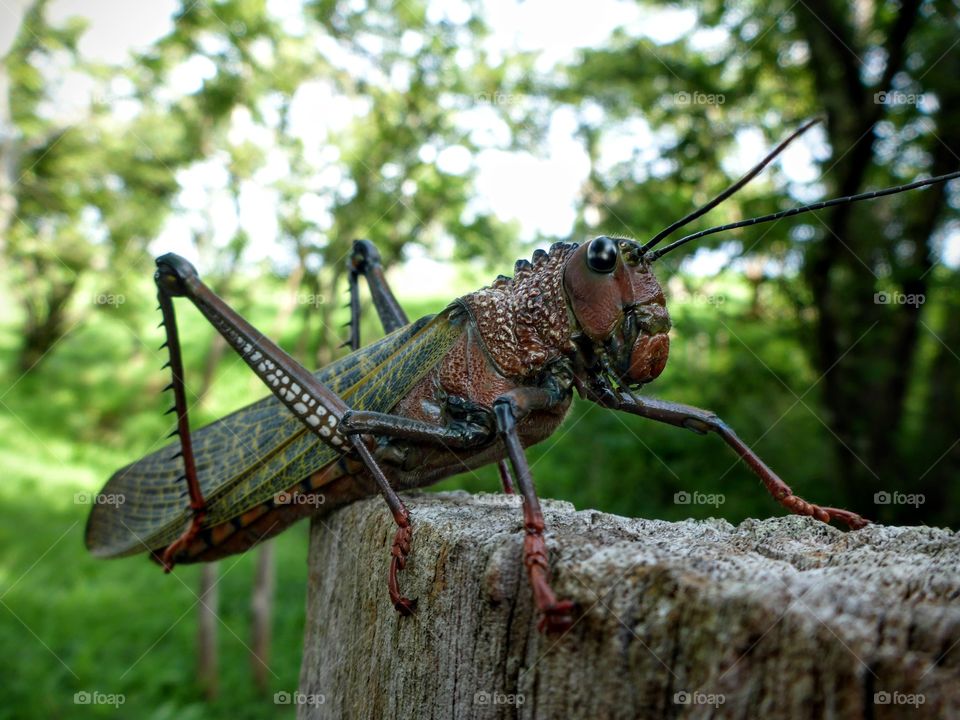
208, 665
10, 149
261, 622
9, 158
853, 336
781, 618
46, 307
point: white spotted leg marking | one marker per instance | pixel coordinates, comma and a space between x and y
314, 404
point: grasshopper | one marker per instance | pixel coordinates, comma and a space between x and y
491, 374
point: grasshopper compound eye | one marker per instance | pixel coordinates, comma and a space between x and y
602, 254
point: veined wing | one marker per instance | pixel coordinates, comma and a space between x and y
258, 451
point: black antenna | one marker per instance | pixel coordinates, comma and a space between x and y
803, 209
754, 171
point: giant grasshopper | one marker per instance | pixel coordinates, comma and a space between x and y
491, 374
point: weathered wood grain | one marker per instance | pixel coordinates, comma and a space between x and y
780, 618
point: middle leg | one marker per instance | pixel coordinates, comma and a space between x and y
556, 615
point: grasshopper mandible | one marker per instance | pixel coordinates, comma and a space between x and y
491, 374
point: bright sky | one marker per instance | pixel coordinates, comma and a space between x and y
539, 191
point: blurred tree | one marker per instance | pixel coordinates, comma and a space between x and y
90, 192
410, 75
886, 77
28, 152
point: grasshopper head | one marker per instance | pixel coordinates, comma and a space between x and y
620, 308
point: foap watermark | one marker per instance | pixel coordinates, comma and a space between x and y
698, 98
298, 698
497, 98
311, 299
898, 498
89, 498
95, 697
109, 299
698, 698
885, 297
698, 498
499, 499
705, 299
895, 97
299, 498
498, 698
898, 698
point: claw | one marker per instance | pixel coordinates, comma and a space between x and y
823, 514
851, 519
558, 618
405, 606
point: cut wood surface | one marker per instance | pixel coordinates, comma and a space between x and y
777, 618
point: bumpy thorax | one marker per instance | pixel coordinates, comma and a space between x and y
523, 321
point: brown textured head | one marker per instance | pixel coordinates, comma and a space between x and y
619, 306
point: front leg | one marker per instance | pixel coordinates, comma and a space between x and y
466, 425
704, 421
556, 615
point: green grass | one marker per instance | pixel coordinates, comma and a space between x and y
73, 623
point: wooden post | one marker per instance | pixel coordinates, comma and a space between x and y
779, 618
